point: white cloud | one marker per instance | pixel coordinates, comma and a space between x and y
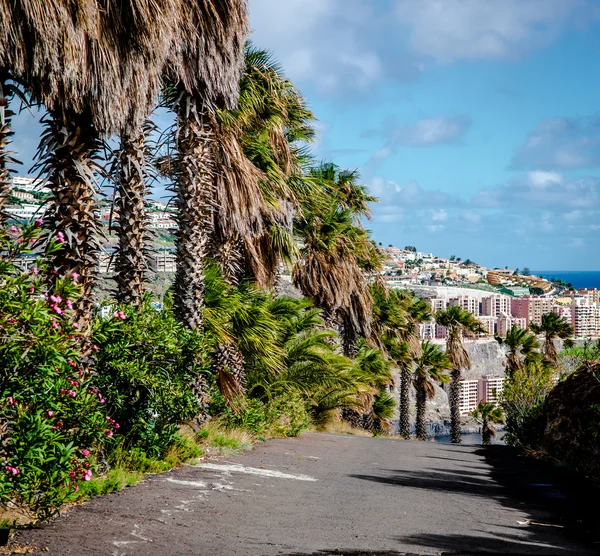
430, 131
436, 228
448, 30
439, 215
540, 179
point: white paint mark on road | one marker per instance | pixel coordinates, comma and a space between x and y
197, 484
236, 468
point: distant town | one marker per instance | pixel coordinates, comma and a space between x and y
499, 297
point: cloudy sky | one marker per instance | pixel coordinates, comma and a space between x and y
476, 122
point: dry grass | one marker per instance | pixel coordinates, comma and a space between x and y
215, 440
335, 425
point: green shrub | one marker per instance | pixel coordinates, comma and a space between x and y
52, 418
146, 365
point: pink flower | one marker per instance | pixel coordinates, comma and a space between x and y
74, 383
72, 393
75, 488
38, 223
85, 452
54, 299
87, 475
54, 324
69, 304
75, 325
72, 363
72, 474
13, 470
31, 289
75, 277
117, 426
56, 309
108, 433
11, 400
95, 347
50, 413
60, 237
122, 315
13, 229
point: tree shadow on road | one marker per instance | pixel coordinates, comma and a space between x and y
558, 503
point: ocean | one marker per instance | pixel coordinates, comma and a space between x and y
579, 278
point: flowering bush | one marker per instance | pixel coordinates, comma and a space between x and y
52, 415
146, 365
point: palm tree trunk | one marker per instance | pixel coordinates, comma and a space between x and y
421, 407
69, 149
131, 262
228, 358
195, 202
486, 433
349, 338
454, 395
5, 140
405, 402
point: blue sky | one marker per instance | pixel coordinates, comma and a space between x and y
476, 122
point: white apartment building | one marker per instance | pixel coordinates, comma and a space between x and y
163, 261
490, 388
585, 317
468, 394
25, 212
438, 304
29, 184
427, 330
489, 324
466, 302
496, 305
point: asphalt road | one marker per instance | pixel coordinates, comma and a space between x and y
326, 494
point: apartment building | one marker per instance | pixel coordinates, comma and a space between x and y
427, 330
163, 261
585, 317
489, 324
507, 322
438, 304
531, 308
490, 388
468, 394
496, 305
466, 302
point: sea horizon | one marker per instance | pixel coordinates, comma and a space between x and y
578, 278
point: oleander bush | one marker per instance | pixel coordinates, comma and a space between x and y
53, 420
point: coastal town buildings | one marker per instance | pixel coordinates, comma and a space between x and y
468, 395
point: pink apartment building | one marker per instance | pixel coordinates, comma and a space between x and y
496, 305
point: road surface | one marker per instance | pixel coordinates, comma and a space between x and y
326, 494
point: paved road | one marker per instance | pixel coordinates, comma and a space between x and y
327, 494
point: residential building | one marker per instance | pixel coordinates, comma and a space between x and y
496, 305
466, 302
427, 330
25, 212
507, 322
468, 394
489, 324
437, 304
163, 261
23, 195
585, 317
490, 388
531, 308
29, 184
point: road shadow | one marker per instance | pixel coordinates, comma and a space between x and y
559, 503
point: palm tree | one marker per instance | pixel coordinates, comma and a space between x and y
8, 90
126, 46
485, 414
209, 65
519, 342
430, 368
457, 322
553, 326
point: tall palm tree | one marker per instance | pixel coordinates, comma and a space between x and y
519, 343
486, 414
8, 91
328, 270
553, 326
457, 322
430, 368
125, 45
207, 71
